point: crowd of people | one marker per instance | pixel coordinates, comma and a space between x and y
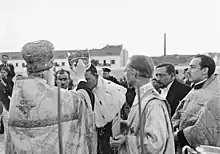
150, 110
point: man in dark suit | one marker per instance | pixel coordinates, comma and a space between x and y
171, 88
7, 66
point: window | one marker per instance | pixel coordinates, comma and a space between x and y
56, 64
16, 64
112, 61
104, 62
23, 64
63, 63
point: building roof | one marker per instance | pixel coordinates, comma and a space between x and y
108, 50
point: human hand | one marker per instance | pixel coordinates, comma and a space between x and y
117, 141
78, 72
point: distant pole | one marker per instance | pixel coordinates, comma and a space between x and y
164, 52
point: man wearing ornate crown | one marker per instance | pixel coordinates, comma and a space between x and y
33, 117
109, 99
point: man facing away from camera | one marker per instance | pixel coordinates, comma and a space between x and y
157, 129
33, 115
196, 121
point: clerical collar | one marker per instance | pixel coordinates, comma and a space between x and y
199, 84
200, 81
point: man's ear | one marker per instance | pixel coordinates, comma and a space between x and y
205, 70
172, 75
137, 73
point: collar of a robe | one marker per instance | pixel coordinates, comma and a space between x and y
201, 81
40, 79
143, 89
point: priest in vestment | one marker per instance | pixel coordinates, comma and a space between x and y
196, 121
33, 116
157, 129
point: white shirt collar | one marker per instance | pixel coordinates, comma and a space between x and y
169, 85
201, 81
165, 91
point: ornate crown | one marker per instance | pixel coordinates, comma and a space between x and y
38, 55
74, 56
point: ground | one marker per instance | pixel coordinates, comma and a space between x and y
2, 151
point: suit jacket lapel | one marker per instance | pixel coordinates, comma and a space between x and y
171, 89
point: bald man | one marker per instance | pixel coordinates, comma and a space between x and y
158, 136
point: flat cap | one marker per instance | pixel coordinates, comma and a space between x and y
38, 55
106, 69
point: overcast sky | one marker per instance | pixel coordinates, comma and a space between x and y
192, 26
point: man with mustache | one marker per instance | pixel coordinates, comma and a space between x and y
109, 99
171, 88
196, 121
62, 79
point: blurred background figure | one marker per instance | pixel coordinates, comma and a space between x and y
19, 76
8, 67
106, 75
6, 86
62, 79
179, 75
186, 77
156, 85
5, 93
6, 78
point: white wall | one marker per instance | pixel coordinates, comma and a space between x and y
18, 68
123, 57
108, 60
118, 61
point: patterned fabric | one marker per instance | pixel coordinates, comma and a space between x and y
33, 124
158, 135
109, 99
198, 115
4, 117
38, 55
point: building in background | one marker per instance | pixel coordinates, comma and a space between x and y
114, 56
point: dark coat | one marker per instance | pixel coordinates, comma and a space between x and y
176, 93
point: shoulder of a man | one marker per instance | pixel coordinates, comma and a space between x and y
155, 99
182, 85
112, 87
213, 104
83, 86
